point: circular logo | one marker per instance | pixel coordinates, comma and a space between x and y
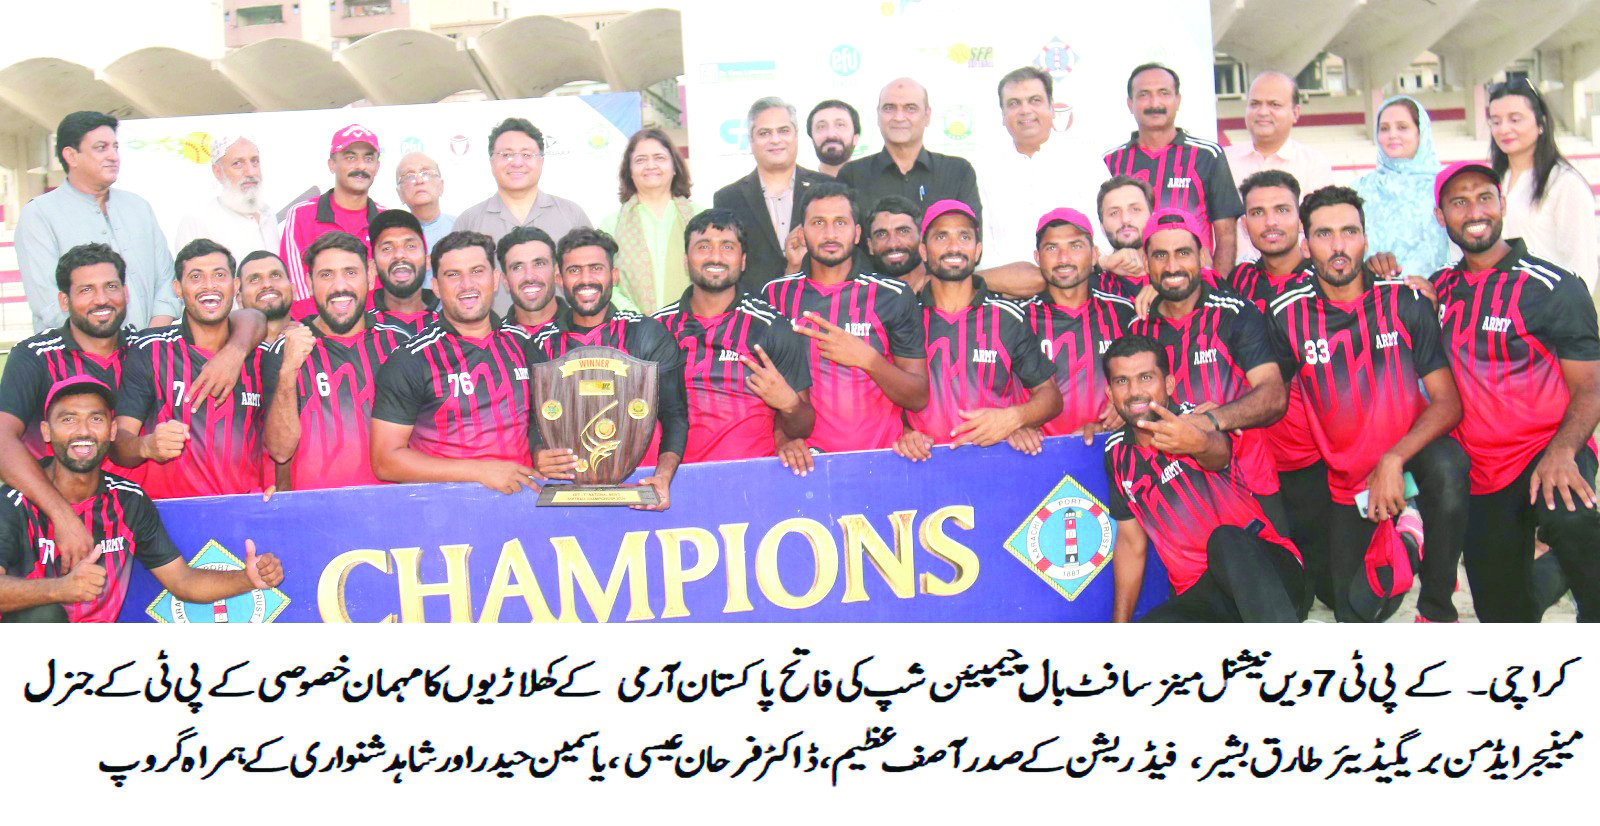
638, 408
605, 428
1063, 120
410, 145
1056, 57
1071, 532
458, 144
551, 410
598, 139
844, 60
582, 466
960, 53
220, 609
958, 123
196, 147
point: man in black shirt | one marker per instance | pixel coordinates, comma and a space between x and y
905, 167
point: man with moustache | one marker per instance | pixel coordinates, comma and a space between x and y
1381, 402
190, 449
1271, 110
527, 263
353, 160
1124, 204
834, 127
264, 287
894, 241
588, 271
768, 201
904, 166
987, 375
399, 262
237, 218
1175, 482
1520, 334
452, 403
1218, 347
744, 366
320, 415
36, 584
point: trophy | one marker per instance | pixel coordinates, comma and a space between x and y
600, 403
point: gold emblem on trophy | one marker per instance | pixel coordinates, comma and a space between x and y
592, 387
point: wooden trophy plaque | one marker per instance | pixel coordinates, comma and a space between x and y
600, 403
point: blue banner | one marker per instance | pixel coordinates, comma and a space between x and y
973, 535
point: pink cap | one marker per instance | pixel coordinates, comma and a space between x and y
948, 205
78, 384
1068, 215
1174, 218
354, 133
1455, 169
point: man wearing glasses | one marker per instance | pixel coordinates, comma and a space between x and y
421, 185
516, 156
353, 160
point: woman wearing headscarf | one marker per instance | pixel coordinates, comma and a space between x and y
654, 192
1398, 194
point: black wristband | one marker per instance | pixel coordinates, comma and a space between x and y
1214, 423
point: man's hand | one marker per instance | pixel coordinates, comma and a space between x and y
217, 378
1425, 287
914, 445
1127, 263
264, 571
1198, 417
795, 455
1383, 265
73, 543
84, 582
165, 442
834, 344
662, 485
297, 343
1141, 303
1029, 440
767, 383
1557, 471
1386, 489
794, 250
988, 426
556, 463
1110, 420
507, 477
1174, 435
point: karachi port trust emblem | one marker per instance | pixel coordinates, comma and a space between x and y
1067, 539
250, 606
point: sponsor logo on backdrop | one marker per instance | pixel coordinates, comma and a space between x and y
972, 57
890, 8
251, 606
411, 144
738, 70
1067, 540
599, 138
194, 147
957, 123
459, 145
844, 60
733, 135
1057, 58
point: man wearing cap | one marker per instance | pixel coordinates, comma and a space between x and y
353, 160
36, 584
983, 359
1219, 348
238, 217
1075, 320
1520, 334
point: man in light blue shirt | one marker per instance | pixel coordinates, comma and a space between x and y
420, 186
84, 210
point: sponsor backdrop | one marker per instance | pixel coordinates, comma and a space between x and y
974, 535
848, 49
168, 160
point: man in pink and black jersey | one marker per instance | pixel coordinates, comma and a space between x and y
987, 376
264, 287
399, 262
38, 585
894, 240
527, 258
189, 446
1520, 335
1184, 172
1124, 204
744, 366
319, 420
1176, 483
587, 260
452, 403
1219, 347
1075, 323
1381, 403
867, 355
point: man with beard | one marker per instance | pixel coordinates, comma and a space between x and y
399, 262
1124, 205
867, 355
1219, 349
1075, 322
326, 371
768, 201
527, 263
36, 584
192, 449
452, 403
1363, 347
237, 218
587, 263
264, 287
894, 242
983, 359
1176, 483
744, 366
1520, 333
834, 127
1184, 172
353, 160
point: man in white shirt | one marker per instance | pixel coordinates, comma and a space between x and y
237, 217
1271, 111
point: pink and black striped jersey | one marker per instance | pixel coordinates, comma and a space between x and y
1179, 504
224, 454
1073, 338
121, 520
984, 355
1506, 331
852, 411
726, 420
37, 363
1359, 367
1212, 348
1289, 438
1190, 174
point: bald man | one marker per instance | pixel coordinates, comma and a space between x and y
421, 186
905, 167
1271, 111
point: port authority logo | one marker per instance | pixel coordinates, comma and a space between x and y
1057, 58
1067, 539
250, 606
